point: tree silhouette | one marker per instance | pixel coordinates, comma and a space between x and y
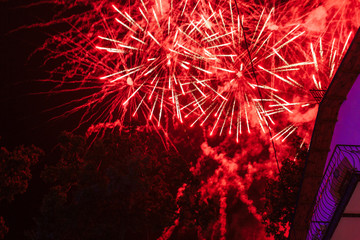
120, 187
281, 194
15, 174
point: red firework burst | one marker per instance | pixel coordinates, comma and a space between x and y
162, 59
176, 59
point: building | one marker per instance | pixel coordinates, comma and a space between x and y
329, 200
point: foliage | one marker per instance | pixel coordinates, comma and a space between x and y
119, 187
3, 228
197, 217
15, 174
281, 195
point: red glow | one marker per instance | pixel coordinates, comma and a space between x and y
163, 60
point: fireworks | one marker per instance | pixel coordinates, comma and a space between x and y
234, 69
244, 74
206, 60
229, 68
161, 59
326, 60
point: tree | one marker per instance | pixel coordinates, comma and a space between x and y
281, 195
119, 187
15, 174
3, 228
196, 217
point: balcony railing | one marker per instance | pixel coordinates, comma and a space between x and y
343, 165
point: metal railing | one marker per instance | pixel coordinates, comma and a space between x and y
343, 164
318, 94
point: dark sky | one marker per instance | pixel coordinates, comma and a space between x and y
20, 120
24, 117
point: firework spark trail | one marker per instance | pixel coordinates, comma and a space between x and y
178, 52
235, 87
329, 27
154, 59
323, 52
187, 60
323, 58
157, 58
143, 61
327, 57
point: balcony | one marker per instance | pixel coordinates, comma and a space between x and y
339, 181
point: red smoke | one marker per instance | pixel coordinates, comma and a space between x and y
237, 75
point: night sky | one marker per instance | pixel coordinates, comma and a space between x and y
26, 105
27, 110
29, 115
24, 117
